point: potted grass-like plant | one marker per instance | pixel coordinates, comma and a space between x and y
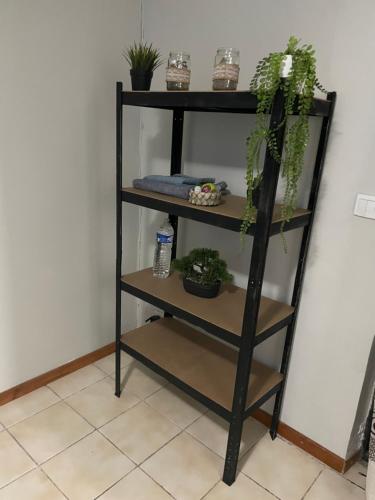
143, 60
203, 272
294, 72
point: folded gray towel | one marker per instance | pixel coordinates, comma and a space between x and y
194, 181
178, 179
177, 190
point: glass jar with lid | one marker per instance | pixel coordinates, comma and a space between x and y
178, 71
226, 69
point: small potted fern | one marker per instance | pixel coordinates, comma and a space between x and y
203, 272
294, 72
143, 60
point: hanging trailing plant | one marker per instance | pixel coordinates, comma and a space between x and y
298, 88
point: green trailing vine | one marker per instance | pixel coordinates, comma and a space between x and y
298, 90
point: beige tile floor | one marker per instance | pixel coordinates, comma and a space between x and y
74, 439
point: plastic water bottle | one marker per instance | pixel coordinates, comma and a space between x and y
163, 250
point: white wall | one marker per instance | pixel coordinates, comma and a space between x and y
60, 61
336, 321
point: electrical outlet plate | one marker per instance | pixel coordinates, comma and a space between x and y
365, 206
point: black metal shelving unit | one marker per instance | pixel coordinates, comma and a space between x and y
222, 376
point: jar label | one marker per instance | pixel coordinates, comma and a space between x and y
179, 75
163, 238
226, 72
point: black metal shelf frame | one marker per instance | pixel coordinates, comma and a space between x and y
221, 102
206, 217
209, 403
234, 102
210, 327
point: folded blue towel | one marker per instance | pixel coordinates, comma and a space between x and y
177, 190
222, 187
194, 181
178, 179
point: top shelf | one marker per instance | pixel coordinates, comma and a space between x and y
223, 102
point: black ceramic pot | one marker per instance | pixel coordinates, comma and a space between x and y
208, 292
141, 80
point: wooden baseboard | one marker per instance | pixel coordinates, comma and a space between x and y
311, 447
46, 378
316, 450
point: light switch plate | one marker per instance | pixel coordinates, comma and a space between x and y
365, 206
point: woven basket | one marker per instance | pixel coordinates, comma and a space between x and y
205, 199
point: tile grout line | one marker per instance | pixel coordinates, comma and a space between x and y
19, 477
159, 449
184, 429
61, 399
72, 444
39, 466
165, 416
44, 472
117, 448
114, 484
209, 491
37, 413
114, 371
54, 392
241, 453
67, 448
94, 428
161, 486
364, 475
81, 439
261, 486
312, 484
22, 447
82, 388
109, 421
188, 434
353, 483
33, 414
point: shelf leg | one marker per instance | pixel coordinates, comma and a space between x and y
233, 448
254, 289
298, 282
284, 367
176, 162
118, 234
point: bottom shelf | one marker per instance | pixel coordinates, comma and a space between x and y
202, 366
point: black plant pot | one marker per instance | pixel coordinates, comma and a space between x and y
141, 80
205, 291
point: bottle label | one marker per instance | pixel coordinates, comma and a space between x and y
163, 238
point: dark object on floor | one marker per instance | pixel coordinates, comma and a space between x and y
152, 318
